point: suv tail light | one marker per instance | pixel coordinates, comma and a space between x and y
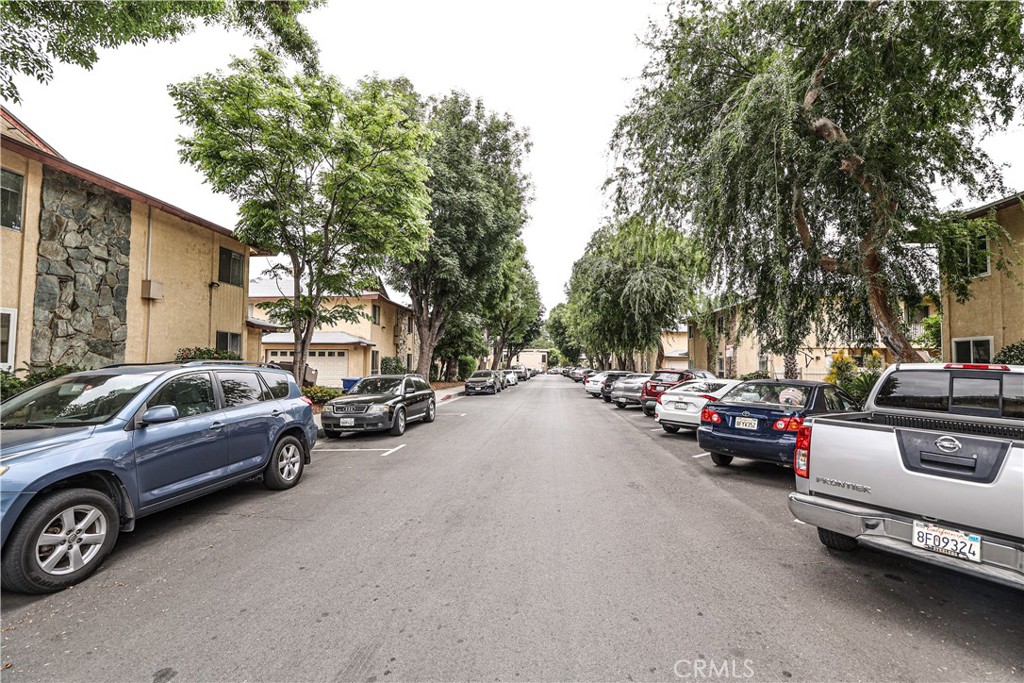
802, 452
647, 387
788, 424
708, 415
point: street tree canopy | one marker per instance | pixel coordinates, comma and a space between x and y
35, 33
513, 312
479, 193
330, 177
804, 143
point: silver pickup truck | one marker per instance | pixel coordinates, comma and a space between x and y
933, 469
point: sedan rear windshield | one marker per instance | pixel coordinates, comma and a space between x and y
772, 394
72, 401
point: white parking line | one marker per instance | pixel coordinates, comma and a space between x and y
399, 446
799, 522
657, 429
701, 455
338, 450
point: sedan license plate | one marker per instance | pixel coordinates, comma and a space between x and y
746, 423
659, 388
347, 421
952, 542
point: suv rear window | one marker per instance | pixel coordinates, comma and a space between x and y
280, 386
934, 391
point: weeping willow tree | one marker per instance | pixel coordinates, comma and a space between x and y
630, 284
804, 143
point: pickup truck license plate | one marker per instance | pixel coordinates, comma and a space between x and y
347, 421
746, 423
952, 542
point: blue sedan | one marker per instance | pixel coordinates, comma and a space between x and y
759, 419
87, 454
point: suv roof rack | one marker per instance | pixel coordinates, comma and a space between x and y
139, 365
214, 361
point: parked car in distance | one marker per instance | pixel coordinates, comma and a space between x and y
626, 390
592, 384
483, 382
610, 378
759, 419
576, 374
521, 372
932, 469
511, 378
87, 454
680, 407
380, 402
666, 379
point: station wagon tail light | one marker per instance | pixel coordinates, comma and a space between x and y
307, 401
976, 366
802, 452
708, 415
788, 424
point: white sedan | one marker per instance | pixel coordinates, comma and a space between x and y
510, 376
593, 383
679, 407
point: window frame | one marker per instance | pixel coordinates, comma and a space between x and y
265, 394
988, 259
216, 342
220, 265
21, 201
375, 314
374, 362
12, 340
952, 348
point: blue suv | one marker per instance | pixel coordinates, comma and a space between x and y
85, 455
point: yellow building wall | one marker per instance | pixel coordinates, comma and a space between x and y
19, 254
997, 307
184, 257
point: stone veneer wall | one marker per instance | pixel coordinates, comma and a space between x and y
80, 312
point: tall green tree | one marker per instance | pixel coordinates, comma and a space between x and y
35, 33
558, 328
479, 193
804, 142
463, 336
513, 313
330, 177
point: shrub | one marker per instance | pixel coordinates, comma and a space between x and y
843, 370
204, 353
874, 362
1011, 354
10, 384
433, 373
860, 386
467, 366
392, 365
320, 395
756, 374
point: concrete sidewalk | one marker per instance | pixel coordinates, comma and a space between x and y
440, 394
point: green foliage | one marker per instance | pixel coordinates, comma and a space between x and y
561, 333
1011, 354
555, 359
320, 395
467, 366
842, 371
392, 365
931, 337
11, 383
479, 193
803, 142
874, 361
204, 353
463, 336
756, 374
35, 34
860, 386
331, 177
513, 313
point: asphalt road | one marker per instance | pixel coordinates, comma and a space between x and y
534, 535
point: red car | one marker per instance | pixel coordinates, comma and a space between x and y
664, 380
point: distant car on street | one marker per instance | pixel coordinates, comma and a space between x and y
680, 407
87, 454
511, 378
483, 382
666, 379
759, 419
380, 402
610, 378
626, 391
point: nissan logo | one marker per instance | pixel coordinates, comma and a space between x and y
947, 444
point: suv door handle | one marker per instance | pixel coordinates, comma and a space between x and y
276, 413
216, 425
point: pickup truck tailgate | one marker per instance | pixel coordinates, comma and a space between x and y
974, 481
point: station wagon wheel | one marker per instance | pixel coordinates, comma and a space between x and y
398, 426
60, 540
286, 464
431, 412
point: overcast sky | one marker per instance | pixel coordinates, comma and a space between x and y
562, 69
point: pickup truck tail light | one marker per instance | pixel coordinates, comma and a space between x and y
802, 452
708, 415
975, 366
788, 424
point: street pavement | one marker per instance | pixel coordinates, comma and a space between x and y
534, 535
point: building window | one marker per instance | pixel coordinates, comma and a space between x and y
972, 350
408, 361
762, 362
232, 267
408, 324
8, 336
978, 258
721, 366
375, 362
375, 311
12, 187
229, 341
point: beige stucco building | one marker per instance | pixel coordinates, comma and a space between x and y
385, 329
535, 359
96, 272
976, 330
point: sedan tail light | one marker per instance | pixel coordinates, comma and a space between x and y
709, 397
708, 415
802, 452
788, 424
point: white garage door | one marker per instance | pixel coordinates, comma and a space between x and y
331, 364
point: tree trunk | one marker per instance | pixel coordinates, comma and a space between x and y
886, 318
661, 354
428, 341
712, 354
499, 353
790, 367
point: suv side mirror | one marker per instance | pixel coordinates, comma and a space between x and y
159, 414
